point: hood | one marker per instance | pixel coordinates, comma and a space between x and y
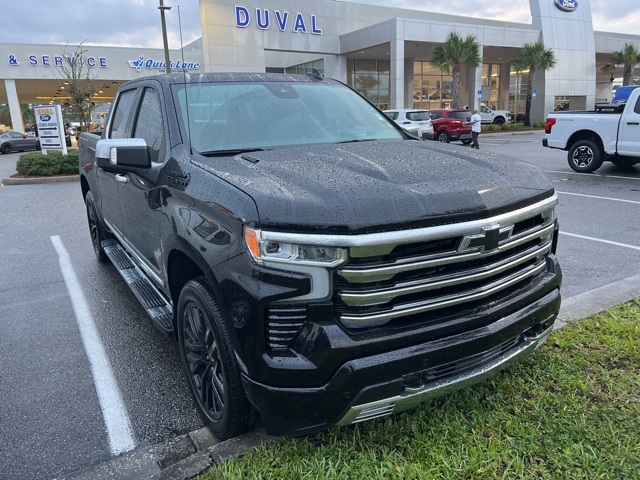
378, 185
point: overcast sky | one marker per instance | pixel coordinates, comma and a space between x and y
136, 23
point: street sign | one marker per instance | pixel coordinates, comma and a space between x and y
50, 128
479, 95
534, 94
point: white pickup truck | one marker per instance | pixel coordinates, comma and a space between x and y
610, 133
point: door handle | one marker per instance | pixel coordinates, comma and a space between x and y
122, 178
633, 123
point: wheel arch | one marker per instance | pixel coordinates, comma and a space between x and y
585, 135
183, 263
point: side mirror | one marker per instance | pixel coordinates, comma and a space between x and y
122, 153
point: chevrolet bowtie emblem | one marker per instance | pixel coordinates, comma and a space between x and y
488, 240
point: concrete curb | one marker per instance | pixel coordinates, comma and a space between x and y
30, 181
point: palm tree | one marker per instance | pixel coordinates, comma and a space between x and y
534, 57
629, 56
449, 56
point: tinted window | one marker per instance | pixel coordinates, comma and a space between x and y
121, 114
418, 116
436, 115
16, 135
392, 115
459, 115
637, 109
149, 124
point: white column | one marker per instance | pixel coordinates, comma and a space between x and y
14, 106
408, 83
335, 66
396, 52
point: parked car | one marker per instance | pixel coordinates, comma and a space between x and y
449, 125
622, 93
498, 117
317, 265
11, 141
407, 118
610, 133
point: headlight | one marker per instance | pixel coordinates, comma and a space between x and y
263, 250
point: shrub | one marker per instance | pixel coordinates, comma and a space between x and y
485, 128
539, 124
53, 163
494, 128
506, 126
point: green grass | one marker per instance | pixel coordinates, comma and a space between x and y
570, 410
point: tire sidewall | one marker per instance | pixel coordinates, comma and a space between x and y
97, 249
197, 291
443, 135
6, 148
596, 160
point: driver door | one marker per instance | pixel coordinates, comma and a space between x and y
629, 136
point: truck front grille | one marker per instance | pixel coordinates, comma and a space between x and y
445, 273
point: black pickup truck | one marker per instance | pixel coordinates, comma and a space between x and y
317, 265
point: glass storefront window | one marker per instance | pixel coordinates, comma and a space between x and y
431, 88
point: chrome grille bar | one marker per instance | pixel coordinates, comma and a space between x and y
354, 298
375, 319
376, 274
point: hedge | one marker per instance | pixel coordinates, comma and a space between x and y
53, 163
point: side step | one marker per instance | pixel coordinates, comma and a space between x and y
160, 311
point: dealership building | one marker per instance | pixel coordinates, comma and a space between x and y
382, 52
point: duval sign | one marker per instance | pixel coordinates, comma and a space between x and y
567, 5
265, 19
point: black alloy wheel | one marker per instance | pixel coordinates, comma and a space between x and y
585, 156
466, 141
498, 121
6, 148
443, 137
210, 362
95, 228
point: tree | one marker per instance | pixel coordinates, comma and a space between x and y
80, 84
534, 56
450, 55
629, 56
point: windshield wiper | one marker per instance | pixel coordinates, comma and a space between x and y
233, 151
356, 140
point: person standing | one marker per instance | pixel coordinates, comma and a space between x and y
476, 128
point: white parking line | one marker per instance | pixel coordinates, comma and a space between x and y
599, 198
593, 175
617, 244
115, 414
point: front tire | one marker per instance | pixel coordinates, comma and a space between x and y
585, 156
95, 228
209, 361
466, 141
38, 145
443, 137
498, 121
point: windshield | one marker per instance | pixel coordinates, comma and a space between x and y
233, 116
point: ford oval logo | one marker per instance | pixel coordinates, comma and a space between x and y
567, 5
45, 118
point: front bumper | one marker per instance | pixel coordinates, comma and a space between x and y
396, 380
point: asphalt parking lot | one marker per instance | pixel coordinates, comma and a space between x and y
50, 415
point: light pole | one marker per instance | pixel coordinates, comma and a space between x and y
162, 8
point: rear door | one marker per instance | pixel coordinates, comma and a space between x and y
629, 134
